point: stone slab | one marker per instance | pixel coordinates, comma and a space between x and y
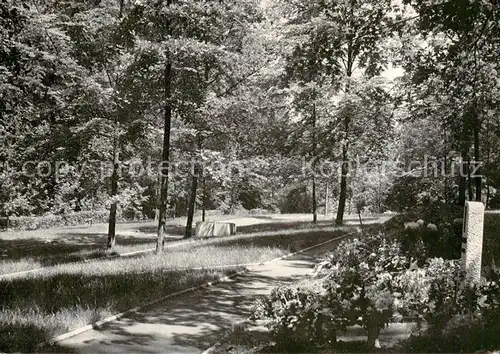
214, 229
472, 240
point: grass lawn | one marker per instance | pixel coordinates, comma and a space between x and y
290, 240
40, 305
41, 248
54, 246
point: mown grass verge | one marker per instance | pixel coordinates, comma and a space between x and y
67, 296
24, 255
290, 240
8, 267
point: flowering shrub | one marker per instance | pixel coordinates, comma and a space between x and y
429, 293
419, 242
296, 318
362, 276
460, 318
489, 299
370, 282
353, 287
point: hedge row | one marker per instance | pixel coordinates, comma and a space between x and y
52, 220
89, 217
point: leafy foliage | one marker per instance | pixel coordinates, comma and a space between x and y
369, 282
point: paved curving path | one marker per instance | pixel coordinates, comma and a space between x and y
192, 322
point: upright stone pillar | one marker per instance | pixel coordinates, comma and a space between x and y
472, 241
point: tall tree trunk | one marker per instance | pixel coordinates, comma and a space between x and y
232, 196
343, 186
486, 181
314, 206
476, 128
114, 175
470, 192
192, 196
372, 337
157, 201
234, 191
314, 201
165, 156
477, 157
339, 220
121, 8
445, 170
192, 202
114, 191
461, 190
488, 193
195, 177
445, 167
462, 183
326, 198
360, 221
162, 207
204, 202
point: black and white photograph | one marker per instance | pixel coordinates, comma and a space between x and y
249, 176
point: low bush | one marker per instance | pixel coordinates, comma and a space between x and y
53, 220
296, 320
354, 287
297, 200
68, 219
432, 230
420, 242
260, 211
461, 319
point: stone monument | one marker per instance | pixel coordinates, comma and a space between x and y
214, 229
472, 241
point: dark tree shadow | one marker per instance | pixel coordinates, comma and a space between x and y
46, 252
174, 230
70, 247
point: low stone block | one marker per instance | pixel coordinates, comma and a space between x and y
472, 240
214, 229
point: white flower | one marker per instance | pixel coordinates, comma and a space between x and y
411, 225
432, 227
481, 301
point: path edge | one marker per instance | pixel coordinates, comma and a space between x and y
213, 348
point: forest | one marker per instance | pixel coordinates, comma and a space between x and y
135, 109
